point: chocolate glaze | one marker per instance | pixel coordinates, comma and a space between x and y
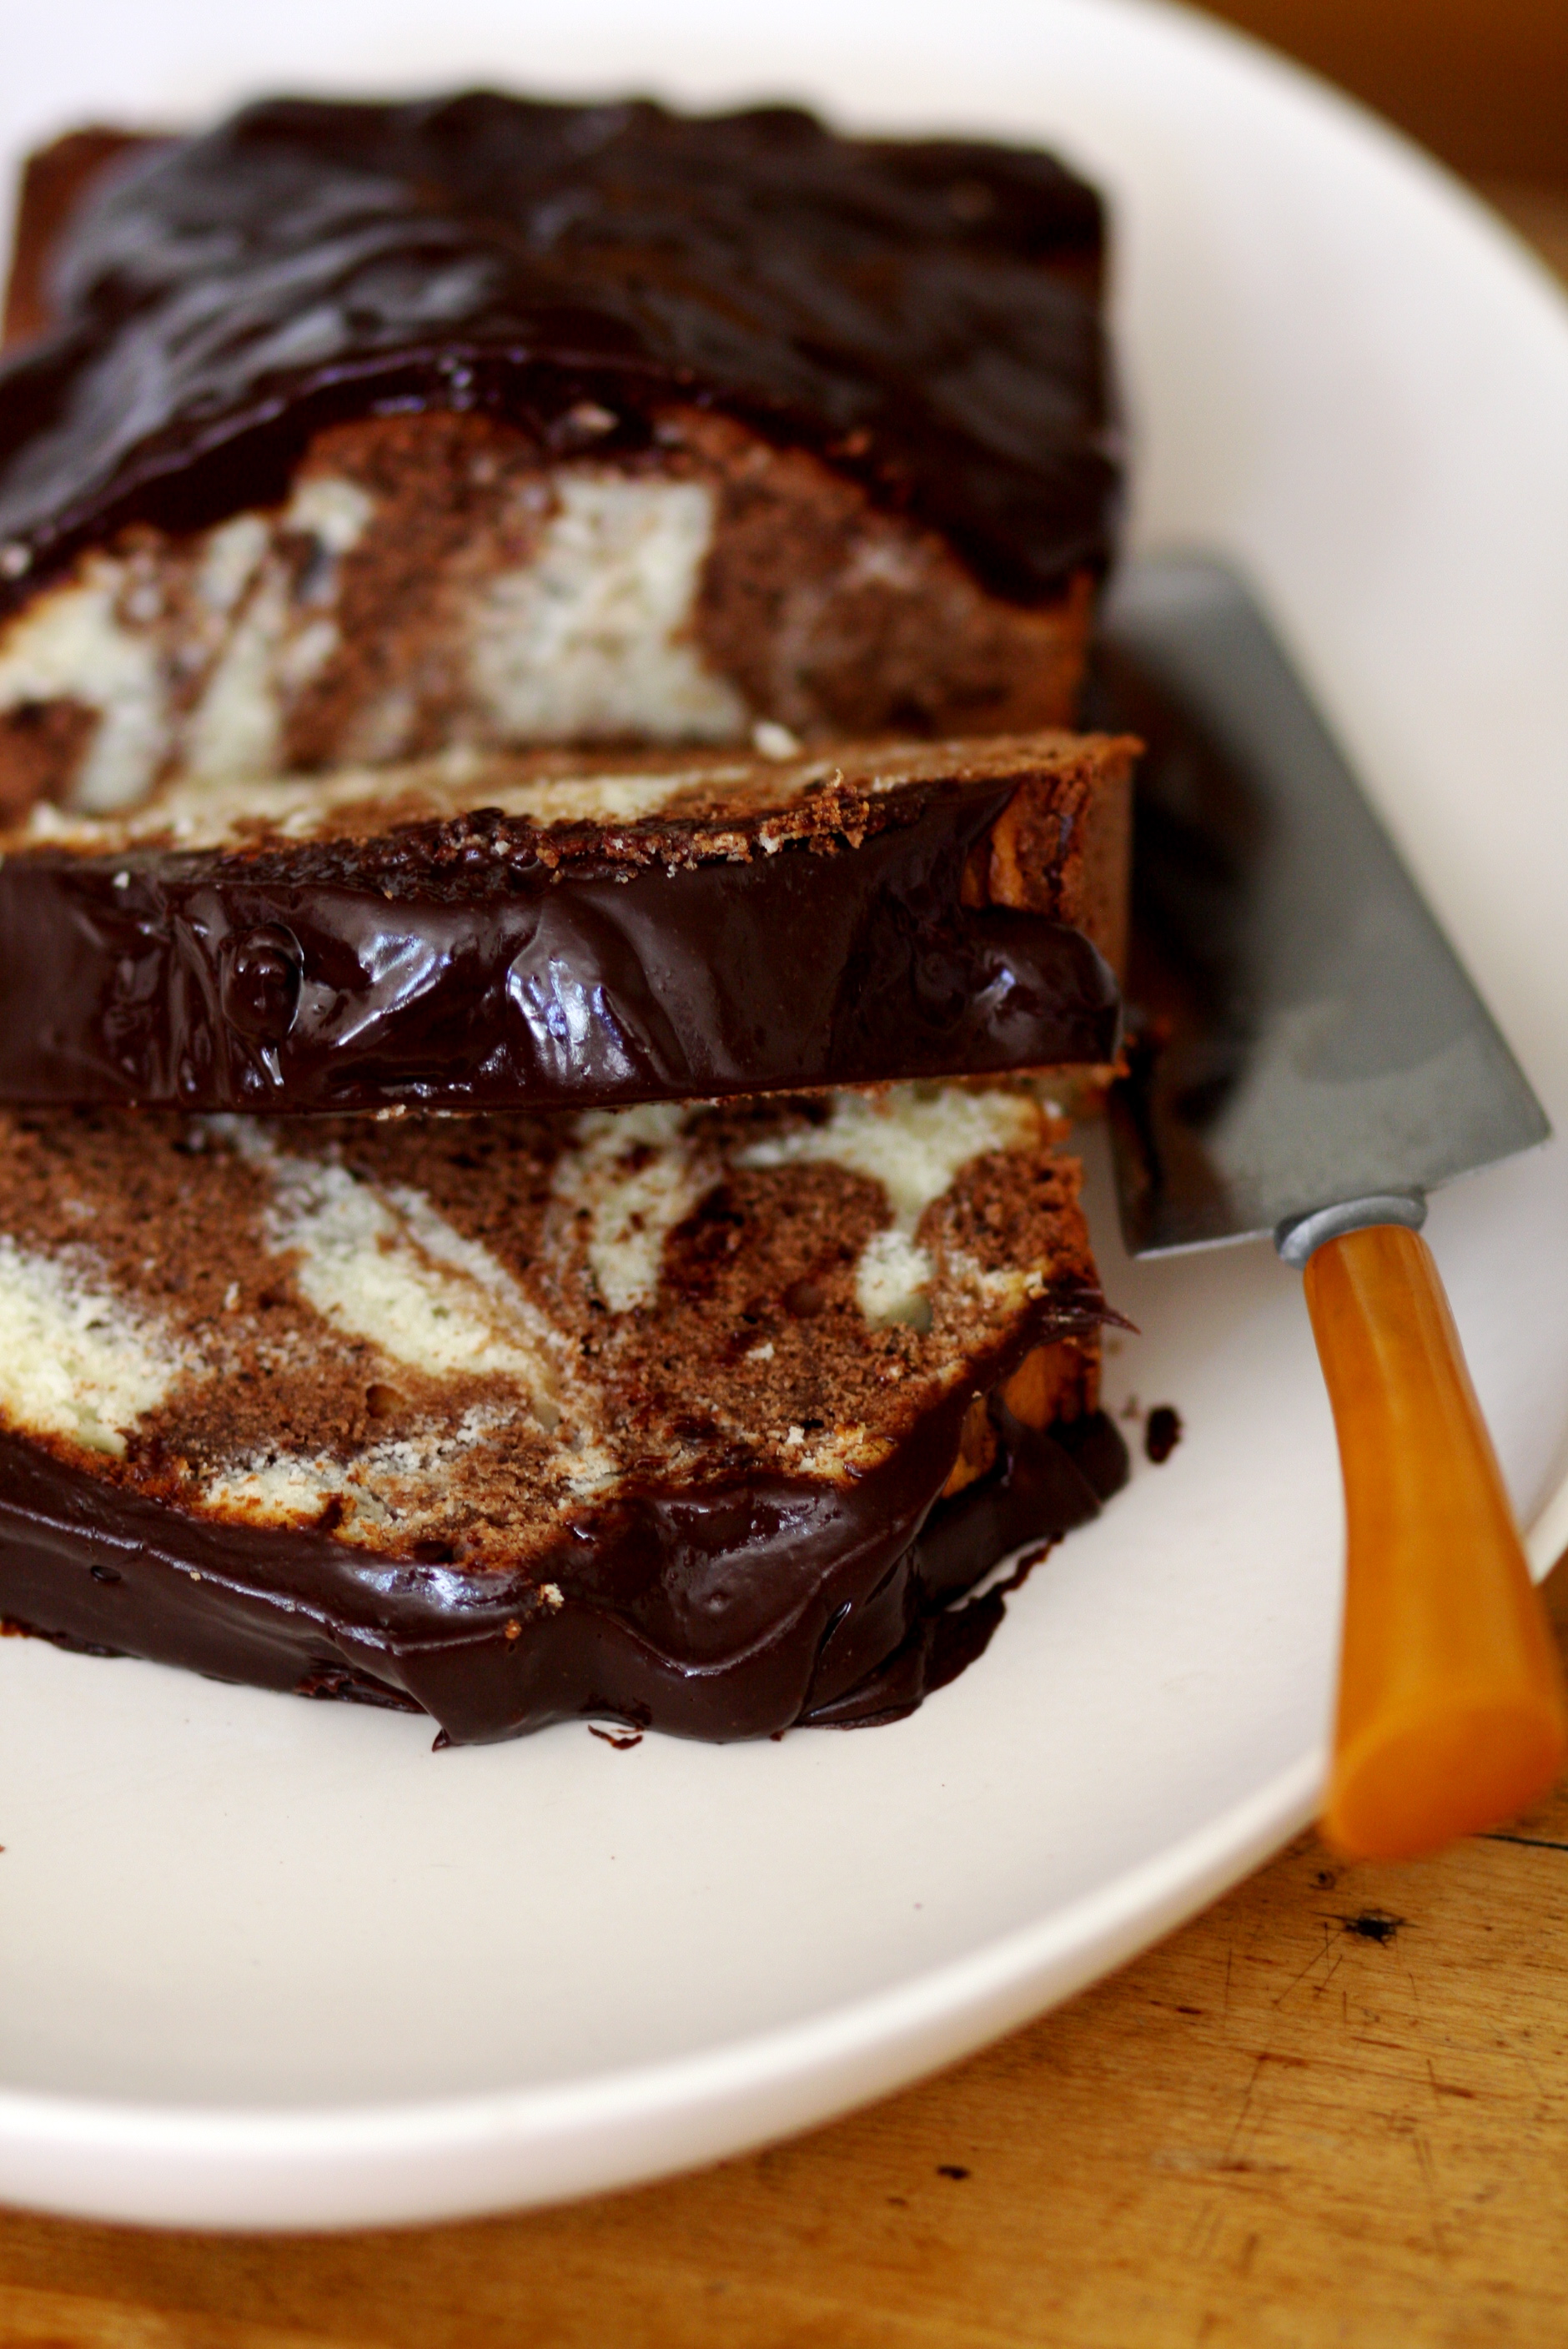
734, 1611
923, 315
483, 963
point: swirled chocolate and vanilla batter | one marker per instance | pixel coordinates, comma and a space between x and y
695, 1418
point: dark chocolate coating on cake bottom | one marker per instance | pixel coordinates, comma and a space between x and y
450, 966
736, 1612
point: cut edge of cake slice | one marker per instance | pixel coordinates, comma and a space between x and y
695, 1419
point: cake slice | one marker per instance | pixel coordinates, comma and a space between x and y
688, 1418
345, 434
530, 935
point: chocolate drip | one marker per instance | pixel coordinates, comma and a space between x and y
922, 316
454, 968
733, 1612
1044, 1484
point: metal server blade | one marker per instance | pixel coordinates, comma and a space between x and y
1309, 1037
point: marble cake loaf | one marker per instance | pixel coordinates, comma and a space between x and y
346, 434
530, 934
692, 1419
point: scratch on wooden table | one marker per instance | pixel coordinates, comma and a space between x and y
1247, 2095
1423, 2153
1316, 1958
1204, 2227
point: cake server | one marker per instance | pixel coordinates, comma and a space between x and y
1313, 1061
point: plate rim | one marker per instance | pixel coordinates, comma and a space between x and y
899, 2035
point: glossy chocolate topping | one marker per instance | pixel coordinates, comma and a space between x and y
923, 315
735, 1612
486, 963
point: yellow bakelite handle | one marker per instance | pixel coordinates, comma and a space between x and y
1451, 1707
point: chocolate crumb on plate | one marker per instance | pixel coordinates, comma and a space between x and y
1162, 1433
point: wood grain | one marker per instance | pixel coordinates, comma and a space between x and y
1483, 83
1334, 2110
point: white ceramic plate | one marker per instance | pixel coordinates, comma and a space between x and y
267, 1963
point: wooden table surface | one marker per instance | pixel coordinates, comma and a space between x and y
1334, 2110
